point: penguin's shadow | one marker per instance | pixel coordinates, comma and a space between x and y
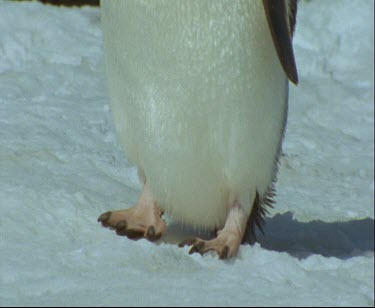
282, 233
342, 240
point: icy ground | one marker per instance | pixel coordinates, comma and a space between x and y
60, 167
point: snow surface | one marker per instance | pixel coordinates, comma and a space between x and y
61, 166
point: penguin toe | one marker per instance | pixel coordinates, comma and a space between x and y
224, 253
197, 247
123, 230
132, 234
224, 249
151, 234
103, 218
121, 227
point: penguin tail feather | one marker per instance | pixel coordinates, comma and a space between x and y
258, 212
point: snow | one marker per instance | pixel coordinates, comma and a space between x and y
61, 166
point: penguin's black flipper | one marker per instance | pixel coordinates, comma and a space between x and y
281, 17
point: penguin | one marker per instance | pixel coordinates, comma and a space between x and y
199, 96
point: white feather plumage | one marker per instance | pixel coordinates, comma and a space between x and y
199, 99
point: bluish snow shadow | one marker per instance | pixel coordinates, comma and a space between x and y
331, 239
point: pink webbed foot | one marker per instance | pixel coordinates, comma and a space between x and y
227, 241
144, 220
226, 245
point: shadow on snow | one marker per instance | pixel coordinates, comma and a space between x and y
331, 239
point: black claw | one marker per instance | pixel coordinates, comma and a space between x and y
133, 234
121, 227
188, 242
198, 247
224, 253
150, 231
104, 217
151, 235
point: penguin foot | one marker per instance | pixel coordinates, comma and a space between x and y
226, 245
227, 241
144, 220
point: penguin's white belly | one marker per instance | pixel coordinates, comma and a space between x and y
199, 99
